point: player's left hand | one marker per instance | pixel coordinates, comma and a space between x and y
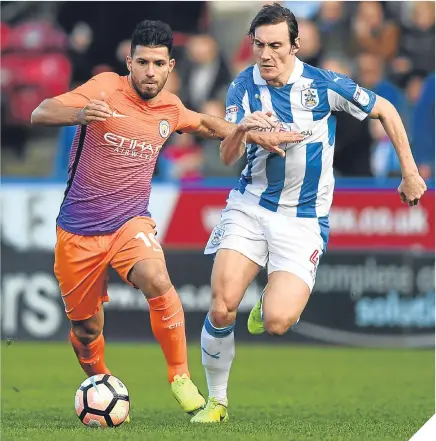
257, 121
412, 188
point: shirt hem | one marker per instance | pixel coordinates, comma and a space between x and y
252, 198
82, 232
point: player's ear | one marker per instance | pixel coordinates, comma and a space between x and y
296, 46
172, 64
129, 63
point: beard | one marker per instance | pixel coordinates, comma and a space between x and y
147, 95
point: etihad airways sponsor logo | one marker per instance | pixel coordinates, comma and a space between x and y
132, 147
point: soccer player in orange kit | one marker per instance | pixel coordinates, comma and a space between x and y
104, 219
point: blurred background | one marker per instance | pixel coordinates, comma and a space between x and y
375, 286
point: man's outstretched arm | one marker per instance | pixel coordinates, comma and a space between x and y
412, 185
82, 105
52, 112
255, 128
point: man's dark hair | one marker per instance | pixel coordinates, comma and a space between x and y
152, 34
275, 14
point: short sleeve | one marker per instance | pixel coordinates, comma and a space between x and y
189, 121
237, 105
347, 96
106, 83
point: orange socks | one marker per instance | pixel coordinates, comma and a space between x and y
168, 325
91, 357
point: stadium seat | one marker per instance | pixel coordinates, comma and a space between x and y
35, 66
5, 32
37, 36
27, 80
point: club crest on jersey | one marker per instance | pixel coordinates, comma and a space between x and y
309, 98
217, 235
164, 128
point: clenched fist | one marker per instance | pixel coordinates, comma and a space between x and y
412, 188
95, 110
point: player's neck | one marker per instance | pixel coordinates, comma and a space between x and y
283, 79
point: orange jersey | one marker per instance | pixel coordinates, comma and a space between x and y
112, 162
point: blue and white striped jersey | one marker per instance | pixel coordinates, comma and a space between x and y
302, 183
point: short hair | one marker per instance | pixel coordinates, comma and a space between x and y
152, 34
275, 14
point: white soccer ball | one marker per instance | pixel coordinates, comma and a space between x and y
102, 401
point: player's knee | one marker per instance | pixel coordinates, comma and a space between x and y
223, 307
278, 326
156, 285
151, 278
86, 333
221, 316
274, 327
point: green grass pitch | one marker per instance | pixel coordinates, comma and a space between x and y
281, 393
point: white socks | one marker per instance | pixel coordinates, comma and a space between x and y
217, 353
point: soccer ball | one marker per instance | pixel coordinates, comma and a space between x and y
102, 401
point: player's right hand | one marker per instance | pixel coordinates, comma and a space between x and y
95, 110
271, 141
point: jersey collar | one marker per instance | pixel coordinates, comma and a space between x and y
295, 75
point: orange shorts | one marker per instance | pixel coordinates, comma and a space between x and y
82, 262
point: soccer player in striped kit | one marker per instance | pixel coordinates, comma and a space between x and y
278, 217
104, 219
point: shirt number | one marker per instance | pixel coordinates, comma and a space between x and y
149, 241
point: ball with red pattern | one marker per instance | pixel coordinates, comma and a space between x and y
102, 401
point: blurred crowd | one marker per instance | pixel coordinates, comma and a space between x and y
388, 47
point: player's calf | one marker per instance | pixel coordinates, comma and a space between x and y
88, 343
168, 326
166, 313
